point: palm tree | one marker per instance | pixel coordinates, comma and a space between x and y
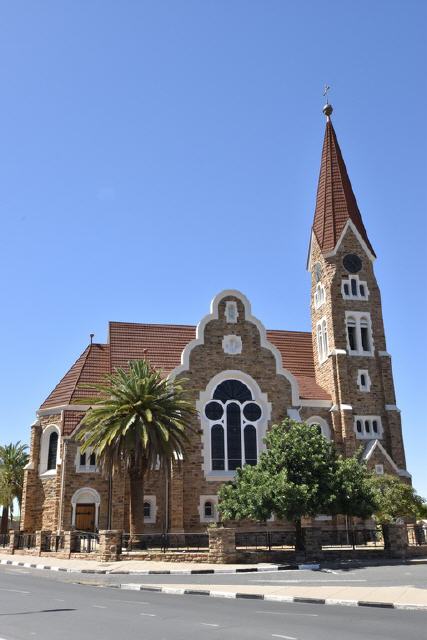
137, 421
13, 459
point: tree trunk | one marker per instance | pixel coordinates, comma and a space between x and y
136, 503
4, 526
299, 536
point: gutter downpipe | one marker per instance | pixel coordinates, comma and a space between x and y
61, 508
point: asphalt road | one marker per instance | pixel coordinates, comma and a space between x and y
53, 608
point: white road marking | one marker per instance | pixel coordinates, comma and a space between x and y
209, 624
14, 591
289, 613
276, 635
132, 601
297, 581
98, 606
151, 615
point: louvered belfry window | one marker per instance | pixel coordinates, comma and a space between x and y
233, 416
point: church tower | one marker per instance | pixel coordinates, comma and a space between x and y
349, 345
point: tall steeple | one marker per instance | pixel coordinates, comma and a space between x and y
335, 203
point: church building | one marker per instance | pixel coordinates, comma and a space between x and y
242, 378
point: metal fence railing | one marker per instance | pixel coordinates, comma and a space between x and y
353, 537
264, 540
25, 541
52, 542
85, 542
417, 534
165, 542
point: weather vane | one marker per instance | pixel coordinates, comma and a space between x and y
325, 92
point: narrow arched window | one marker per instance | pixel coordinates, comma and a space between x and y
250, 444
351, 334
147, 509
364, 335
208, 509
217, 447
52, 451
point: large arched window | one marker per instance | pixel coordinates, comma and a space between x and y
233, 416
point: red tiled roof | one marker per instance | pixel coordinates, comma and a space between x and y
335, 202
71, 420
163, 344
89, 367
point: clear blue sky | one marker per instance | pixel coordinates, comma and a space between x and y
154, 153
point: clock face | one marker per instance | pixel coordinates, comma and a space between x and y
317, 271
352, 263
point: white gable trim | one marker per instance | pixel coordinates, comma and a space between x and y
350, 225
370, 448
213, 315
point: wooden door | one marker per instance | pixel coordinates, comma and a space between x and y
85, 517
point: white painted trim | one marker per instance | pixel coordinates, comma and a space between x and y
367, 387
85, 495
232, 345
379, 469
371, 434
384, 354
323, 424
294, 414
370, 448
392, 407
213, 315
87, 468
44, 450
350, 295
358, 316
51, 411
260, 425
350, 225
152, 500
338, 352
201, 508
326, 404
231, 311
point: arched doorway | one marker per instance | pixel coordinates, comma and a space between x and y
85, 509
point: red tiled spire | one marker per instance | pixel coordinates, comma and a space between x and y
335, 202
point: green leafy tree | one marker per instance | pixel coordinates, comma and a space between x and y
295, 477
13, 459
355, 492
299, 475
396, 499
138, 419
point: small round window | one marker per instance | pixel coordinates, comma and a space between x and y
214, 410
252, 412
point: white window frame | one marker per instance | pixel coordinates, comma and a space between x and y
359, 317
319, 295
260, 425
44, 450
359, 283
86, 468
323, 424
367, 387
215, 515
152, 500
379, 469
368, 435
322, 339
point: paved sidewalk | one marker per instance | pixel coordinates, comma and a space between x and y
401, 597
137, 567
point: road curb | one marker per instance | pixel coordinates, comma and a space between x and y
213, 593
154, 572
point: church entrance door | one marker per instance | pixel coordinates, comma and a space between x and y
85, 517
